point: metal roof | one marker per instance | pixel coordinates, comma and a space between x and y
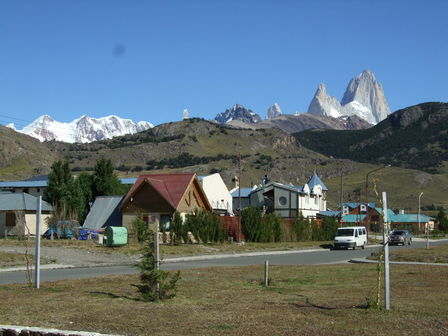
329, 213
356, 204
104, 212
315, 180
353, 218
21, 201
128, 180
244, 192
24, 184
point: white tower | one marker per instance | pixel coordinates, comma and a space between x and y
186, 114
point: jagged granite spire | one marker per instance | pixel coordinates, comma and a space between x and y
363, 97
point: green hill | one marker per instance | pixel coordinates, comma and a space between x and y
415, 137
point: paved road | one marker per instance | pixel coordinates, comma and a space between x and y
304, 257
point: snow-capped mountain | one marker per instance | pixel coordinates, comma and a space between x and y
274, 111
83, 129
238, 112
363, 97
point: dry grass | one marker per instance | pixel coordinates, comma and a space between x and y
435, 254
9, 259
172, 250
302, 300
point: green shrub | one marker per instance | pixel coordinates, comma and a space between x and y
155, 284
302, 228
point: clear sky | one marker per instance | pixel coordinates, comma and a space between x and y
148, 60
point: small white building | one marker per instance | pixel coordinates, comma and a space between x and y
18, 214
217, 193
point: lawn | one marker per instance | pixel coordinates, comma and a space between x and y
173, 250
302, 300
435, 254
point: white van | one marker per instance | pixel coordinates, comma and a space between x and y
352, 236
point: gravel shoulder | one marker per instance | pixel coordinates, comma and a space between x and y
76, 257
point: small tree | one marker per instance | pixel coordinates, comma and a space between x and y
442, 220
140, 228
155, 284
176, 228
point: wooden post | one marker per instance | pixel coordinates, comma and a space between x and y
157, 258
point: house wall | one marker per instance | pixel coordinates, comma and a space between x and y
30, 219
245, 202
310, 204
217, 193
32, 190
285, 203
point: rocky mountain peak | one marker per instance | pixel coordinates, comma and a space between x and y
274, 111
83, 129
238, 112
363, 97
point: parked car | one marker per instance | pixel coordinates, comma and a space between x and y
400, 237
61, 233
351, 237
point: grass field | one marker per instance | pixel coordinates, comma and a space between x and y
302, 300
435, 254
172, 250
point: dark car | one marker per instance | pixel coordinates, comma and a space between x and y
400, 237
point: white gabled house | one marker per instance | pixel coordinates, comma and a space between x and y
286, 200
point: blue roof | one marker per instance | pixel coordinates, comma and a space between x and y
315, 180
353, 205
409, 218
353, 218
21, 201
329, 213
128, 180
24, 184
244, 192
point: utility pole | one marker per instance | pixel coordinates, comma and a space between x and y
239, 197
37, 247
386, 254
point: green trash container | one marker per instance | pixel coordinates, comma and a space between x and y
115, 236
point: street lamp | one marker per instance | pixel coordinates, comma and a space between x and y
367, 187
418, 216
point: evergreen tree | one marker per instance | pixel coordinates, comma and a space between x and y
104, 181
442, 220
84, 181
58, 181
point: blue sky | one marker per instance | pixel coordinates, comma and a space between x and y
148, 60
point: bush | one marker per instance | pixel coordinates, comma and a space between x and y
302, 228
140, 228
251, 223
205, 226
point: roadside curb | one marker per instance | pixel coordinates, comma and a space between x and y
367, 261
42, 267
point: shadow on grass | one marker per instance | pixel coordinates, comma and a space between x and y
114, 296
326, 246
308, 303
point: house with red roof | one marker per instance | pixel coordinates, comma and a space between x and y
157, 196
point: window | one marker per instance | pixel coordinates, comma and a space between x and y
282, 200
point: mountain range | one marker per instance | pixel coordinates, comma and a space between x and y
82, 130
415, 137
364, 98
